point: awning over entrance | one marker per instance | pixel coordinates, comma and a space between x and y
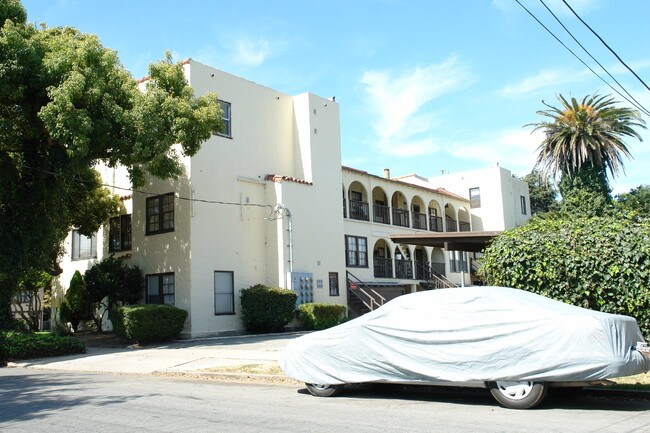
450, 241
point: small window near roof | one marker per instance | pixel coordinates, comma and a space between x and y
474, 197
225, 119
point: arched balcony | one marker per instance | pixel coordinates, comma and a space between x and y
358, 199
421, 260
400, 210
451, 224
435, 218
380, 208
418, 217
381, 259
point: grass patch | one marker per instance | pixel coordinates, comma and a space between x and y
270, 369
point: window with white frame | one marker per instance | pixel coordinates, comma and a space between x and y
224, 292
119, 234
160, 214
83, 247
161, 288
226, 131
356, 252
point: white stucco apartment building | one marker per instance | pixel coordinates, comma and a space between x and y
267, 201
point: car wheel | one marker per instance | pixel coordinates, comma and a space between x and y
518, 394
324, 390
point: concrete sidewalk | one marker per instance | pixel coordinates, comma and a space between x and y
180, 357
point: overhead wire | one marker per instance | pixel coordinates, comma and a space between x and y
636, 103
180, 197
645, 111
605, 43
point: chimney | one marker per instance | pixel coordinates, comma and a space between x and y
387, 173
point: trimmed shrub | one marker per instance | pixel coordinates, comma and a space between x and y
26, 345
267, 309
75, 307
322, 316
148, 323
598, 263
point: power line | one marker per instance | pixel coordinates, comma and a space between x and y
604, 43
637, 104
575, 55
191, 199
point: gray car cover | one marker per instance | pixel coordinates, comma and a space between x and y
469, 334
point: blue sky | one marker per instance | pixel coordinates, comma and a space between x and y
423, 86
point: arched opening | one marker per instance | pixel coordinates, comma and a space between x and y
463, 220
380, 208
421, 259
345, 202
381, 258
435, 217
403, 264
438, 262
418, 217
400, 210
358, 198
450, 218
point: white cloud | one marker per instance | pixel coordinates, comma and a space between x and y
543, 80
515, 149
251, 52
397, 101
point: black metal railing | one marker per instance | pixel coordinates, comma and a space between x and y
463, 226
403, 269
450, 225
435, 224
381, 213
383, 267
400, 217
419, 221
361, 297
359, 210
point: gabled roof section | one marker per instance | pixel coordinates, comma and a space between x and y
398, 180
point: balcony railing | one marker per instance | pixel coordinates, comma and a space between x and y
400, 217
463, 226
403, 269
435, 224
450, 224
383, 267
359, 210
381, 213
419, 221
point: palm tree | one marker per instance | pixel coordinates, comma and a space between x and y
586, 134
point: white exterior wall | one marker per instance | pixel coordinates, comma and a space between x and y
500, 195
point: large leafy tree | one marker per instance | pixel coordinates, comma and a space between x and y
636, 201
542, 193
67, 104
584, 142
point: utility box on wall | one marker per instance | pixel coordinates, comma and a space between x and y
303, 284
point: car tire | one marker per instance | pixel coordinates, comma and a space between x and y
518, 394
324, 390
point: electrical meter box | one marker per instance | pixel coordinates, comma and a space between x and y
303, 284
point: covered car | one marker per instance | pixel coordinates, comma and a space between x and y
514, 342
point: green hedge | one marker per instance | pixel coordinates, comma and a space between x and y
26, 345
322, 316
598, 263
267, 309
148, 323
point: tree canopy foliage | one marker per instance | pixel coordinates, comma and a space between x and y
636, 201
67, 104
602, 263
541, 192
